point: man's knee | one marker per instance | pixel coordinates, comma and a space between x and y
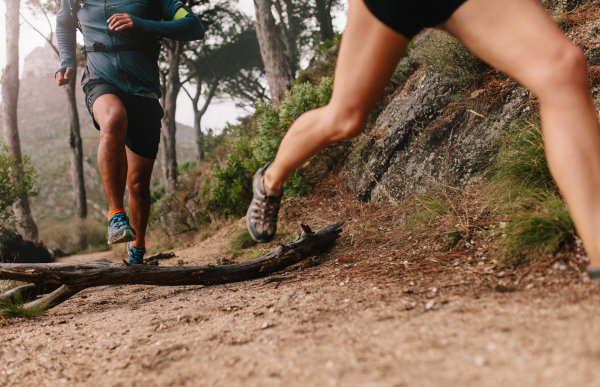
138, 185
111, 116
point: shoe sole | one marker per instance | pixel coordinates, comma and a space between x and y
127, 236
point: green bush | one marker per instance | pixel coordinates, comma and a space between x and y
233, 180
14, 182
454, 63
188, 207
322, 64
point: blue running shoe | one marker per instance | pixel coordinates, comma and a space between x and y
119, 229
136, 256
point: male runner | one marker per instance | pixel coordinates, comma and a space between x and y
121, 84
515, 36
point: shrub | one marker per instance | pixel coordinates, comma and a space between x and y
454, 63
14, 182
233, 188
188, 207
322, 64
233, 180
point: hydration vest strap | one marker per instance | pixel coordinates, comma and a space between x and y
99, 47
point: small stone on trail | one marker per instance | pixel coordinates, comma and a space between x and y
480, 361
265, 325
430, 304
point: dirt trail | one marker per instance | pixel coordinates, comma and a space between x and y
372, 314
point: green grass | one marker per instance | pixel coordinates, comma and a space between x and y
17, 308
526, 195
452, 61
522, 160
534, 234
240, 241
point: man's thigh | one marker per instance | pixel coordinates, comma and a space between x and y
109, 112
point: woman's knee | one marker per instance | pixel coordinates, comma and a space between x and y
567, 70
347, 123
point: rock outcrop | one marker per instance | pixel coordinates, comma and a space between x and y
427, 135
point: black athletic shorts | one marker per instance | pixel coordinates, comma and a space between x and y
408, 17
143, 117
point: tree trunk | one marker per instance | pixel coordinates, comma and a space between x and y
324, 19
10, 98
77, 179
172, 86
199, 136
271, 50
78, 276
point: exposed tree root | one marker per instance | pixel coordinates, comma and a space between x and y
75, 277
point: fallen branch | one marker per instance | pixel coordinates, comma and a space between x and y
158, 256
75, 277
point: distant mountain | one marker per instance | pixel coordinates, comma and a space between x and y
44, 137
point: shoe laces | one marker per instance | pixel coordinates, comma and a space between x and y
119, 220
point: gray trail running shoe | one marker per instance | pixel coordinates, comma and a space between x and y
136, 256
119, 229
261, 218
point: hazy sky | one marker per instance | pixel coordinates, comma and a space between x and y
217, 115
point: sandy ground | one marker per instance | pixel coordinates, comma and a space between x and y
330, 325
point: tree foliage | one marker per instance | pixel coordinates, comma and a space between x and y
233, 179
14, 182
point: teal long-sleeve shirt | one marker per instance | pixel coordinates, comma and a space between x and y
134, 72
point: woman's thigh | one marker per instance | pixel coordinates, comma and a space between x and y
517, 37
369, 54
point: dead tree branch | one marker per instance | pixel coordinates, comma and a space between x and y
75, 277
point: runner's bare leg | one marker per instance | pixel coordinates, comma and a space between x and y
520, 39
139, 173
369, 55
110, 114
515, 36
119, 166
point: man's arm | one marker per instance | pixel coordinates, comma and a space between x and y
67, 41
183, 24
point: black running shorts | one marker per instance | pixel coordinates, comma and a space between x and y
408, 17
143, 117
